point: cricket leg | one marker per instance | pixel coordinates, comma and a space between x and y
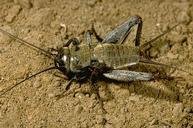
95, 34
61, 75
95, 88
126, 76
67, 87
74, 41
91, 33
120, 33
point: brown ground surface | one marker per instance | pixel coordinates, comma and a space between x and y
152, 104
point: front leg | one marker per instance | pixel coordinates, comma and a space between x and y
89, 34
74, 42
126, 76
120, 33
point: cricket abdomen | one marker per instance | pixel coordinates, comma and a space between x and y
116, 55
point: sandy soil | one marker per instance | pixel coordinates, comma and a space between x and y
49, 23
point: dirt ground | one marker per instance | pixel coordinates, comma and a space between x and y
50, 23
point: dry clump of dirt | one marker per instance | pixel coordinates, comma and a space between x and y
48, 24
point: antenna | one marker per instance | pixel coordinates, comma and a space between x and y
4, 91
148, 61
46, 53
157, 37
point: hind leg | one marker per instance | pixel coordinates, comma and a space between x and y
120, 33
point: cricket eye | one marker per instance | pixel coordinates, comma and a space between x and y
64, 58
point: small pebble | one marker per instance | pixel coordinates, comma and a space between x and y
100, 119
190, 27
177, 110
93, 96
51, 95
37, 83
183, 17
39, 3
64, 27
153, 52
134, 98
12, 13
24, 3
41, 17
78, 109
5, 38
91, 3
172, 56
154, 122
164, 48
188, 109
1, 115
75, 7
79, 95
165, 27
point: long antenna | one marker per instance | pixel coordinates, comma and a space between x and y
157, 37
15, 85
46, 53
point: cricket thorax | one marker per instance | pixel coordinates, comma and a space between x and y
80, 58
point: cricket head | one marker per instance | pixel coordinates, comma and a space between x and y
62, 60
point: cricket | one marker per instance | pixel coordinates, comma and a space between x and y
109, 58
